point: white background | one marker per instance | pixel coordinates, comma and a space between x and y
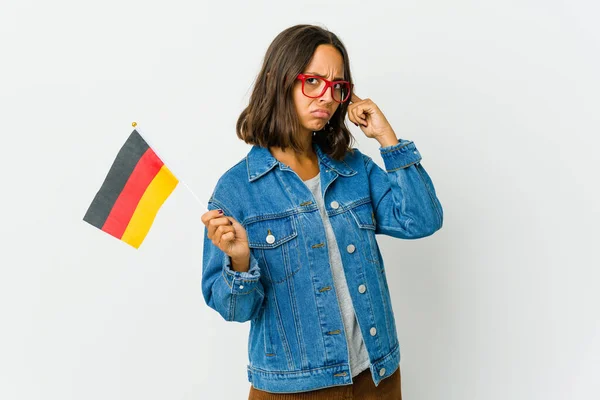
500, 97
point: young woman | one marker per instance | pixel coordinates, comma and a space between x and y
290, 242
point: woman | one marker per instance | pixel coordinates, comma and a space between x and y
290, 241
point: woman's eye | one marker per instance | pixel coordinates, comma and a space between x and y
311, 81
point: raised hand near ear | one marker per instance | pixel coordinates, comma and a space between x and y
372, 122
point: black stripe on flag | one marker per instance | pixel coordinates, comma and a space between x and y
128, 157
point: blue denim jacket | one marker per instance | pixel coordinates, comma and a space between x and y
297, 340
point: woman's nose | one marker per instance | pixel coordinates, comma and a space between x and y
327, 97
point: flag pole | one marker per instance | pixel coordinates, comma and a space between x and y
134, 124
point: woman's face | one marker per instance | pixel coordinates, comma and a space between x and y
313, 114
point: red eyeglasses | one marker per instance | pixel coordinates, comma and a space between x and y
315, 86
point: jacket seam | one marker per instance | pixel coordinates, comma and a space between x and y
395, 148
405, 166
431, 197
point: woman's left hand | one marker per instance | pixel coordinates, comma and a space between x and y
371, 120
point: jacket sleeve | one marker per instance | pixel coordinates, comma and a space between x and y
404, 199
236, 295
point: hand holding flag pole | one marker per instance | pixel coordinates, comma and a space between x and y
136, 186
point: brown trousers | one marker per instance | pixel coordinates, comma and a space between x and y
362, 388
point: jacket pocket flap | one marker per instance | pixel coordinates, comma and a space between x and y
270, 233
364, 216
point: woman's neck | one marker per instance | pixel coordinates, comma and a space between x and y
291, 157
305, 163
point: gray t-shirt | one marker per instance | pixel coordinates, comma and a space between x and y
359, 358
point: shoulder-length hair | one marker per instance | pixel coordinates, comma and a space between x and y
270, 118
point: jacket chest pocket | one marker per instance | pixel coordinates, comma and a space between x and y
364, 217
274, 243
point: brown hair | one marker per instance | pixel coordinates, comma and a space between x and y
270, 118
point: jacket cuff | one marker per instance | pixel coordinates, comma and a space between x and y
400, 155
241, 282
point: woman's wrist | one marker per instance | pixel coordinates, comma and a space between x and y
241, 264
388, 139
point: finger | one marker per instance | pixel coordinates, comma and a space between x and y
354, 118
224, 240
354, 98
358, 112
238, 229
214, 223
366, 108
223, 229
217, 238
232, 221
220, 231
207, 216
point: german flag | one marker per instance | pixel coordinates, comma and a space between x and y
133, 191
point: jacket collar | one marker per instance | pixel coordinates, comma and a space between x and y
260, 161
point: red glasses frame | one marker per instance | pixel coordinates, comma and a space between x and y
328, 84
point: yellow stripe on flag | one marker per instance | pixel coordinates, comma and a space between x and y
153, 198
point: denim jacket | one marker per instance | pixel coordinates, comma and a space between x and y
297, 340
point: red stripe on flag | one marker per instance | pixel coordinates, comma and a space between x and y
121, 213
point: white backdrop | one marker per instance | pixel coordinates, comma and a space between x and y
501, 97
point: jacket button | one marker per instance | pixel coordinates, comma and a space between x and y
362, 288
373, 331
335, 205
382, 372
270, 239
350, 248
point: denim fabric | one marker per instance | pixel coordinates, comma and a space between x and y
362, 388
297, 340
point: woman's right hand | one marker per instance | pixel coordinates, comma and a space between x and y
229, 236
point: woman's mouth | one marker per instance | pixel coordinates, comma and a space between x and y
320, 113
